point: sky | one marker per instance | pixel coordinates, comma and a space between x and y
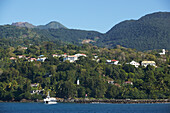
96, 15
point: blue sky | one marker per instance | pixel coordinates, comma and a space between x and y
98, 15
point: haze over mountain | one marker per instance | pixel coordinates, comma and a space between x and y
149, 32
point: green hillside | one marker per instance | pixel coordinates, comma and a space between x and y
23, 35
60, 78
149, 32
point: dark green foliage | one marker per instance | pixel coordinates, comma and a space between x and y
149, 32
17, 76
25, 36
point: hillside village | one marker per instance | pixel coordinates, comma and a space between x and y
73, 58
36, 88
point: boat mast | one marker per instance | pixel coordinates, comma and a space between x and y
48, 96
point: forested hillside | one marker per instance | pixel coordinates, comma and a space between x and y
24, 36
149, 32
18, 73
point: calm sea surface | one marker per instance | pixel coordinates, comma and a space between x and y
83, 108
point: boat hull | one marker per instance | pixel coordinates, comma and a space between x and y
48, 102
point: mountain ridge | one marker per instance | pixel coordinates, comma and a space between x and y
50, 25
151, 31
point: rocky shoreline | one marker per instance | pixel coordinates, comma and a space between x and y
116, 101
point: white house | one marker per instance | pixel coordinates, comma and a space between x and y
56, 55
163, 52
136, 64
42, 59
146, 63
24, 48
64, 55
36, 92
21, 56
78, 82
79, 55
35, 85
95, 57
71, 58
108, 61
115, 62
110, 81
128, 82
12, 58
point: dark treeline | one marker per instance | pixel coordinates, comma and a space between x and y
16, 76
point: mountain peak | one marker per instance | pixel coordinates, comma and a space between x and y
148, 32
53, 22
23, 24
52, 25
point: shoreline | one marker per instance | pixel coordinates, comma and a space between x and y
95, 101
117, 101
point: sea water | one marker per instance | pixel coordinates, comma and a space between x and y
83, 108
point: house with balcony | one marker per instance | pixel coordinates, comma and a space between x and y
79, 55
146, 63
71, 58
42, 59
136, 64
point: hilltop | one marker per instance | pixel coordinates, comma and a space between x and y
50, 25
23, 24
149, 32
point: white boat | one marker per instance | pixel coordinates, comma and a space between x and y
50, 100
